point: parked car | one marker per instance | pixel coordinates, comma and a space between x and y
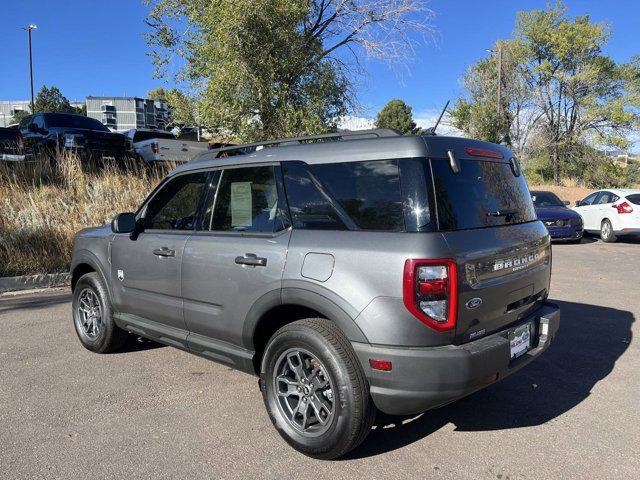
612, 213
563, 223
370, 271
161, 146
46, 133
11, 145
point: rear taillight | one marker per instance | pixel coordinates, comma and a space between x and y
430, 292
154, 147
623, 207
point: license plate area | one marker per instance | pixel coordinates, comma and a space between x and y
520, 340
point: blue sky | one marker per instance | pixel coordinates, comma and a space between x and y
95, 47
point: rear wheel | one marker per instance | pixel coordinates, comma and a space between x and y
93, 317
606, 232
314, 389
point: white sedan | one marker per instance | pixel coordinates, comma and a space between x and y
612, 213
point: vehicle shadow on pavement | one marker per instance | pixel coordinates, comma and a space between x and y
590, 341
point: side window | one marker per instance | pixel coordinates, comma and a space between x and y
309, 204
589, 199
368, 192
346, 196
604, 198
39, 121
247, 201
175, 205
24, 123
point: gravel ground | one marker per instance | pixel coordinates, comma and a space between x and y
157, 412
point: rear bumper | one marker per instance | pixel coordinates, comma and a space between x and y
425, 378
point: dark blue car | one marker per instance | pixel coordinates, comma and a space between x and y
563, 223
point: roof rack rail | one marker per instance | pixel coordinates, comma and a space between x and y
247, 148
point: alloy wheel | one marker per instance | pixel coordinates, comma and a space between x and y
304, 392
89, 314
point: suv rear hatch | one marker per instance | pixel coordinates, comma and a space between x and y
487, 218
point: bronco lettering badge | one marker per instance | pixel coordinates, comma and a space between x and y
516, 263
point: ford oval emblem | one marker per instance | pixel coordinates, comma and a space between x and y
474, 303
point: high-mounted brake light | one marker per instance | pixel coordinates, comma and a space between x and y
154, 147
623, 207
483, 152
430, 292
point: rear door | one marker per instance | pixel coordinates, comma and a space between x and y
502, 251
235, 259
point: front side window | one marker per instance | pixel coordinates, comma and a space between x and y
175, 205
247, 201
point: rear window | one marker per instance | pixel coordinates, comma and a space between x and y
635, 198
483, 194
62, 120
142, 136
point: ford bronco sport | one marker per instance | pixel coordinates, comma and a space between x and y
351, 272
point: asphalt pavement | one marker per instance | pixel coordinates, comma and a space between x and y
157, 412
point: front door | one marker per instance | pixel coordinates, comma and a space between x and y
146, 269
588, 211
235, 259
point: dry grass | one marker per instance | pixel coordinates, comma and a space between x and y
42, 207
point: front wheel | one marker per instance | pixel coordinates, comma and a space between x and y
93, 317
314, 389
606, 232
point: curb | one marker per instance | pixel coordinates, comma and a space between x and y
29, 282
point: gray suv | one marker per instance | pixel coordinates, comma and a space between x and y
351, 272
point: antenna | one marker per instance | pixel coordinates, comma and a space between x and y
432, 130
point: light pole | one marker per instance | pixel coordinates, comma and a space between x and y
28, 28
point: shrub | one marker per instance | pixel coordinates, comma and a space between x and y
43, 206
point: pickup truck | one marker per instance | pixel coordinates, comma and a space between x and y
47, 133
162, 146
11, 145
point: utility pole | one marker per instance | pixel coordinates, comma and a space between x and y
28, 28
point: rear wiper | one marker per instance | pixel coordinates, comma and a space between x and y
503, 213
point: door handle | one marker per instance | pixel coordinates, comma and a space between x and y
252, 260
164, 252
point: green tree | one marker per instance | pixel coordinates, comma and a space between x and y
397, 115
81, 110
19, 115
52, 100
157, 94
560, 92
270, 68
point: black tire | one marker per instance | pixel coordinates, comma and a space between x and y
107, 337
352, 416
606, 232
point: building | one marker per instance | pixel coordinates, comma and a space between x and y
124, 113
8, 108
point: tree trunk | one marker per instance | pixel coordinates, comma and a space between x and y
555, 163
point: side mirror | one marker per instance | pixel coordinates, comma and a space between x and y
566, 202
124, 223
33, 128
578, 203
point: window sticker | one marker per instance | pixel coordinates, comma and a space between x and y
241, 207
